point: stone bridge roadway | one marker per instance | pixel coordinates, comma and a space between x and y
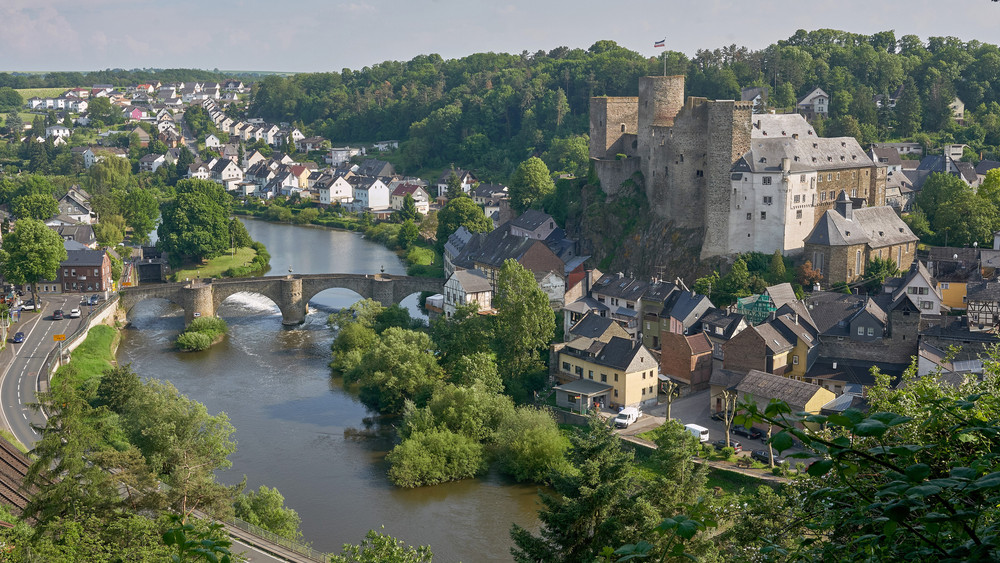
290, 293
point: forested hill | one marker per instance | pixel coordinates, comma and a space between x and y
490, 111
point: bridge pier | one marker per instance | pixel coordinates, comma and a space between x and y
198, 302
383, 291
291, 303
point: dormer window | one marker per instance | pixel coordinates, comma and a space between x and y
764, 160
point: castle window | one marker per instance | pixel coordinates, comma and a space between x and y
763, 215
623, 127
798, 213
838, 175
764, 160
854, 192
666, 170
795, 199
766, 180
768, 200
819, 177
833, 195
749, 217
682, 158
822, 196
829, 177
802, 177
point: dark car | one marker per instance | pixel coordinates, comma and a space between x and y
720, 416
763, 456
58, 315
94, 299
18, 337
719, 444
741, 431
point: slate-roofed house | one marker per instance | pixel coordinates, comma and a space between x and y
683, 310
760, 347
720, 325
845, 239
199, 171
485, 193
453, 247
500, 245
376, 168
421, 198
815, 104
984, 167
625, 366
920, 287
151, 162
226, 172
595, 326
85, 271
333, 189
80, 232
369, 193
466, 287
953, 268
76, 204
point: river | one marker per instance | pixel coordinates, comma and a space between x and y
299, 430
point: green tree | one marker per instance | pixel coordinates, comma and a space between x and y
465, 334
408, 234
877, 270
408, 211
381, 548
35, 206
119, 386
530, 446
594, 506
140, 209
569, 154
454, 185
31, 253
461, 212
101, 111
777, 271
266, 508
400, 366
525, 322
530, 184
108, 235
10, 100
195, 225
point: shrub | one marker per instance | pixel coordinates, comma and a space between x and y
437, 456
530, 446
728, 453
194, 341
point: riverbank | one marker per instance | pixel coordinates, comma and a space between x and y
242, 262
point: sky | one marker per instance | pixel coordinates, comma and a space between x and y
324, 35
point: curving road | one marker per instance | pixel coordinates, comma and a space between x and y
20, 364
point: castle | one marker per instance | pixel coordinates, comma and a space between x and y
751, 182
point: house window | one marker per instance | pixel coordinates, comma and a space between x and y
616, 392
871, 331
861, 331
819, 177
590, 374
838, 175
643, 390
578, 370
857, 261
822, 196
604, 378
73, 272
833, 195
795, 360
768, 200
565, 366
623, 127
854, 192
749, 216
766, 180
699, 173
926, 304
616, 380
763, 215
829, 177
798, 213
944, 285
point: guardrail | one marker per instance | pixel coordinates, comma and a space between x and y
291, 545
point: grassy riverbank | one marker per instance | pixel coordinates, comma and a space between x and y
214, 267
89, 360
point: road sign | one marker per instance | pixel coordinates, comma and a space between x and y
197, 314
58, 337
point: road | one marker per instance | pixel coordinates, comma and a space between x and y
21, 363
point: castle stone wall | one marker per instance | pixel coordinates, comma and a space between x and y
612, 173
728, 138
611, 120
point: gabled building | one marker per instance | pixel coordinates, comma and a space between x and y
151, 162
466, 178
845, 239
369, 193
466, 287
687, 359
375, 168
420, 197
761, 348
920, 288
76, 205
626, 369
721, 325
815, 104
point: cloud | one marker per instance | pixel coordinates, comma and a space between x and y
356, 8
25, 28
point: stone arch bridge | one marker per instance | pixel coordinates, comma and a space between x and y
291, 293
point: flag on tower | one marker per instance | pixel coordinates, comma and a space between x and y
660, 43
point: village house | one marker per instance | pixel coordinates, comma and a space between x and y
687, 359
815, 104
369, 194
418, 193
151, 162
761, 388
622, 370
466, 287
76, 205
466, 178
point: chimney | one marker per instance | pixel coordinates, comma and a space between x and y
786, 164
844, 206
834, 365
795, 318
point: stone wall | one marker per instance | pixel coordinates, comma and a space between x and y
728, 132
887, 350
857, 182
613, 173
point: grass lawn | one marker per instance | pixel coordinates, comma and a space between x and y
39, 92
213, 268
732, 482
92, 357
13, 441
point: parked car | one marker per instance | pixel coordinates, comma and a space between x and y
719, 444
763, 456
28, 306
74, 314
752, 433
627, 416
720, 416
94, 299
58, 315
18, 337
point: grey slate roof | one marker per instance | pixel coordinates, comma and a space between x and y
472, 281
967, 171
687, 307
804, 154
618, 353
720, 318
852, 371
985, 166
585, 387
770, 125
875, 226
769, 386
591, 326
830, 308
781, 293
619, 286
774, 340
531, 220
983, 291
83, 258
886, 156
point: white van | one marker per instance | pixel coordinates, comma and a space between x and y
627, 416
699, 432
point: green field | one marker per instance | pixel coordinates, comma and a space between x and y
213, 268
27, 93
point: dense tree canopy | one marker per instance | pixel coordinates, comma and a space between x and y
31, 253
195, 225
